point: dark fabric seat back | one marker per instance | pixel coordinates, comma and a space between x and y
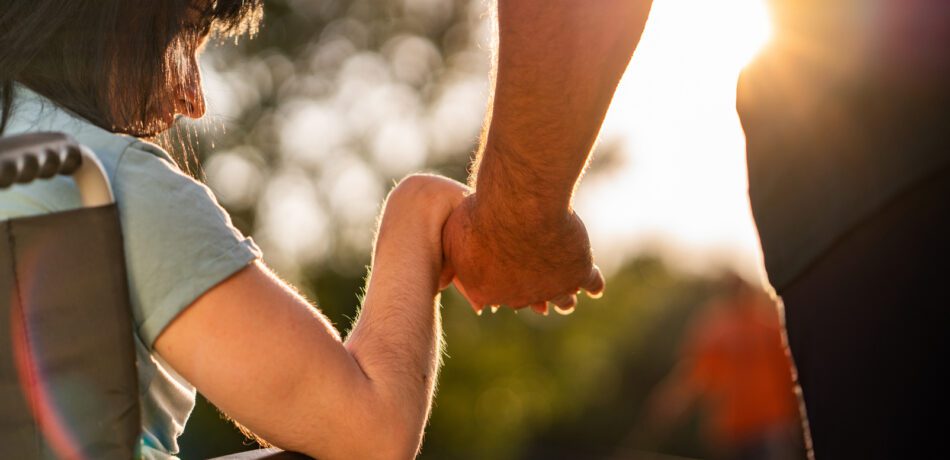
68, 383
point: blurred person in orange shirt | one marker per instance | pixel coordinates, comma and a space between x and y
734, 363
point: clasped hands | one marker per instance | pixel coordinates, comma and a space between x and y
500, 254
496, 253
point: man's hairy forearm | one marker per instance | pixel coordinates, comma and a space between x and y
558, 64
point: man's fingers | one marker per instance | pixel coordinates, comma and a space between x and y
595, 284
564, 304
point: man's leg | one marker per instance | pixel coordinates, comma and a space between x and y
868, 325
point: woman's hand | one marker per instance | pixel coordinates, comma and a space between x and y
410, 231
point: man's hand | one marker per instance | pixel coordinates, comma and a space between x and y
518, 262
558, 62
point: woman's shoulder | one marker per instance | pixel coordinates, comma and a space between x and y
141, 147
148, 171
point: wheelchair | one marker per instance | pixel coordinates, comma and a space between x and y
68, 382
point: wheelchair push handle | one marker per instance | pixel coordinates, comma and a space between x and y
28, 157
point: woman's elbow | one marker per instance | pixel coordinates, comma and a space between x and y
395, 431
382, 442
372, 429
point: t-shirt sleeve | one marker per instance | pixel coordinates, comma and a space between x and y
179, 242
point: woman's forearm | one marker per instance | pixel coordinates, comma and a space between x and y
397, 343
397, 337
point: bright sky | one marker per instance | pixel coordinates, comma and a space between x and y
683, 184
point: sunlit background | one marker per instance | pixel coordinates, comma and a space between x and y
681, 183
311, 122
354, 104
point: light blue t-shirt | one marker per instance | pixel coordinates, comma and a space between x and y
178, 244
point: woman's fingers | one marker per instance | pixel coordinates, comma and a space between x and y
476, 307
540, 308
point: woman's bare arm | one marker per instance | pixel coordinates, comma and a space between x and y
270, 360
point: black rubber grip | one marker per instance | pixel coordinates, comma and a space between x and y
27, 157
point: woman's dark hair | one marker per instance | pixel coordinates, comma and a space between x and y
107, 61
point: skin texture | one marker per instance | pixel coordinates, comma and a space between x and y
517, 240
278, 367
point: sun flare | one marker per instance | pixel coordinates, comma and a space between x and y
684, 184
750, 31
